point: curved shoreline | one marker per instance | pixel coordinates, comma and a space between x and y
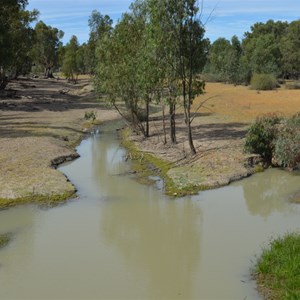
39, 133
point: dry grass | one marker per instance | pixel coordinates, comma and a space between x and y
40, 121
240, 104
218, 131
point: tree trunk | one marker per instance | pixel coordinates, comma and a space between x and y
3, 82
147, 116
163, 120
172, 107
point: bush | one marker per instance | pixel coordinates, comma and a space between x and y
262, 134
294, 85
263, 82
210, 77
287, 145
90, 115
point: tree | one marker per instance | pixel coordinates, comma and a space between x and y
70, 66
100, 25
15, 39
218, 57
233, 61
183, 37
290, 49
261, 47
46, 47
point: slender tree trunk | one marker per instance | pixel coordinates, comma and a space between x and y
163, 120
172, 107
147, 116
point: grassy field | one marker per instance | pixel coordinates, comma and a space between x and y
277, 271
241, 104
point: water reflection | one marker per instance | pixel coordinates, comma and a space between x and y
160, 240
268, 192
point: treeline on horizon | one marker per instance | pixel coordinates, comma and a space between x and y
156, 52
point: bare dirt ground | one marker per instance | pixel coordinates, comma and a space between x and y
219, 129
41, 121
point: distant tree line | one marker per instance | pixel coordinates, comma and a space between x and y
269, 48
156, 53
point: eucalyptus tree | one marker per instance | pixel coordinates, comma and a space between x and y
116, 74
100, 25
70, 66
16, 37
261, 47
182, 35
290, 49
46, 48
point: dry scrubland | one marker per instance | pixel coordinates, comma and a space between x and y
41, 121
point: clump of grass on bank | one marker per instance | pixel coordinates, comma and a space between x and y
4, 240
49, 200
278, 269
145, 165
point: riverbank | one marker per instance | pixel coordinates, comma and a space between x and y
219, 130
41, 122
277, 270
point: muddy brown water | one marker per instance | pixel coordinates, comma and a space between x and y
124, 240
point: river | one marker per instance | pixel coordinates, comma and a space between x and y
123, 240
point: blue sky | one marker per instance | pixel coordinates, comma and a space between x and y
229, 17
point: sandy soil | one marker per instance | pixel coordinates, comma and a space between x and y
41, 121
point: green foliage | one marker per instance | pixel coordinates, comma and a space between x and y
278, 268
287, 145
45, 51
90, 115
261, 136
263, 82
4, 239
271, 136
16, 39
71, 60
290, 49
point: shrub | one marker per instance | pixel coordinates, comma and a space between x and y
90, 115
262, 134
263, 82
287, 145
210, 77
294, 85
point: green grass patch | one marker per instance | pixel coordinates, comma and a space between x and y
49, 200
4, 240
145, 165
278, 269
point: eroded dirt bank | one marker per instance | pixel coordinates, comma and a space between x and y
41, 121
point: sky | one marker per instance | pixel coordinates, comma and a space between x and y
228, 17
